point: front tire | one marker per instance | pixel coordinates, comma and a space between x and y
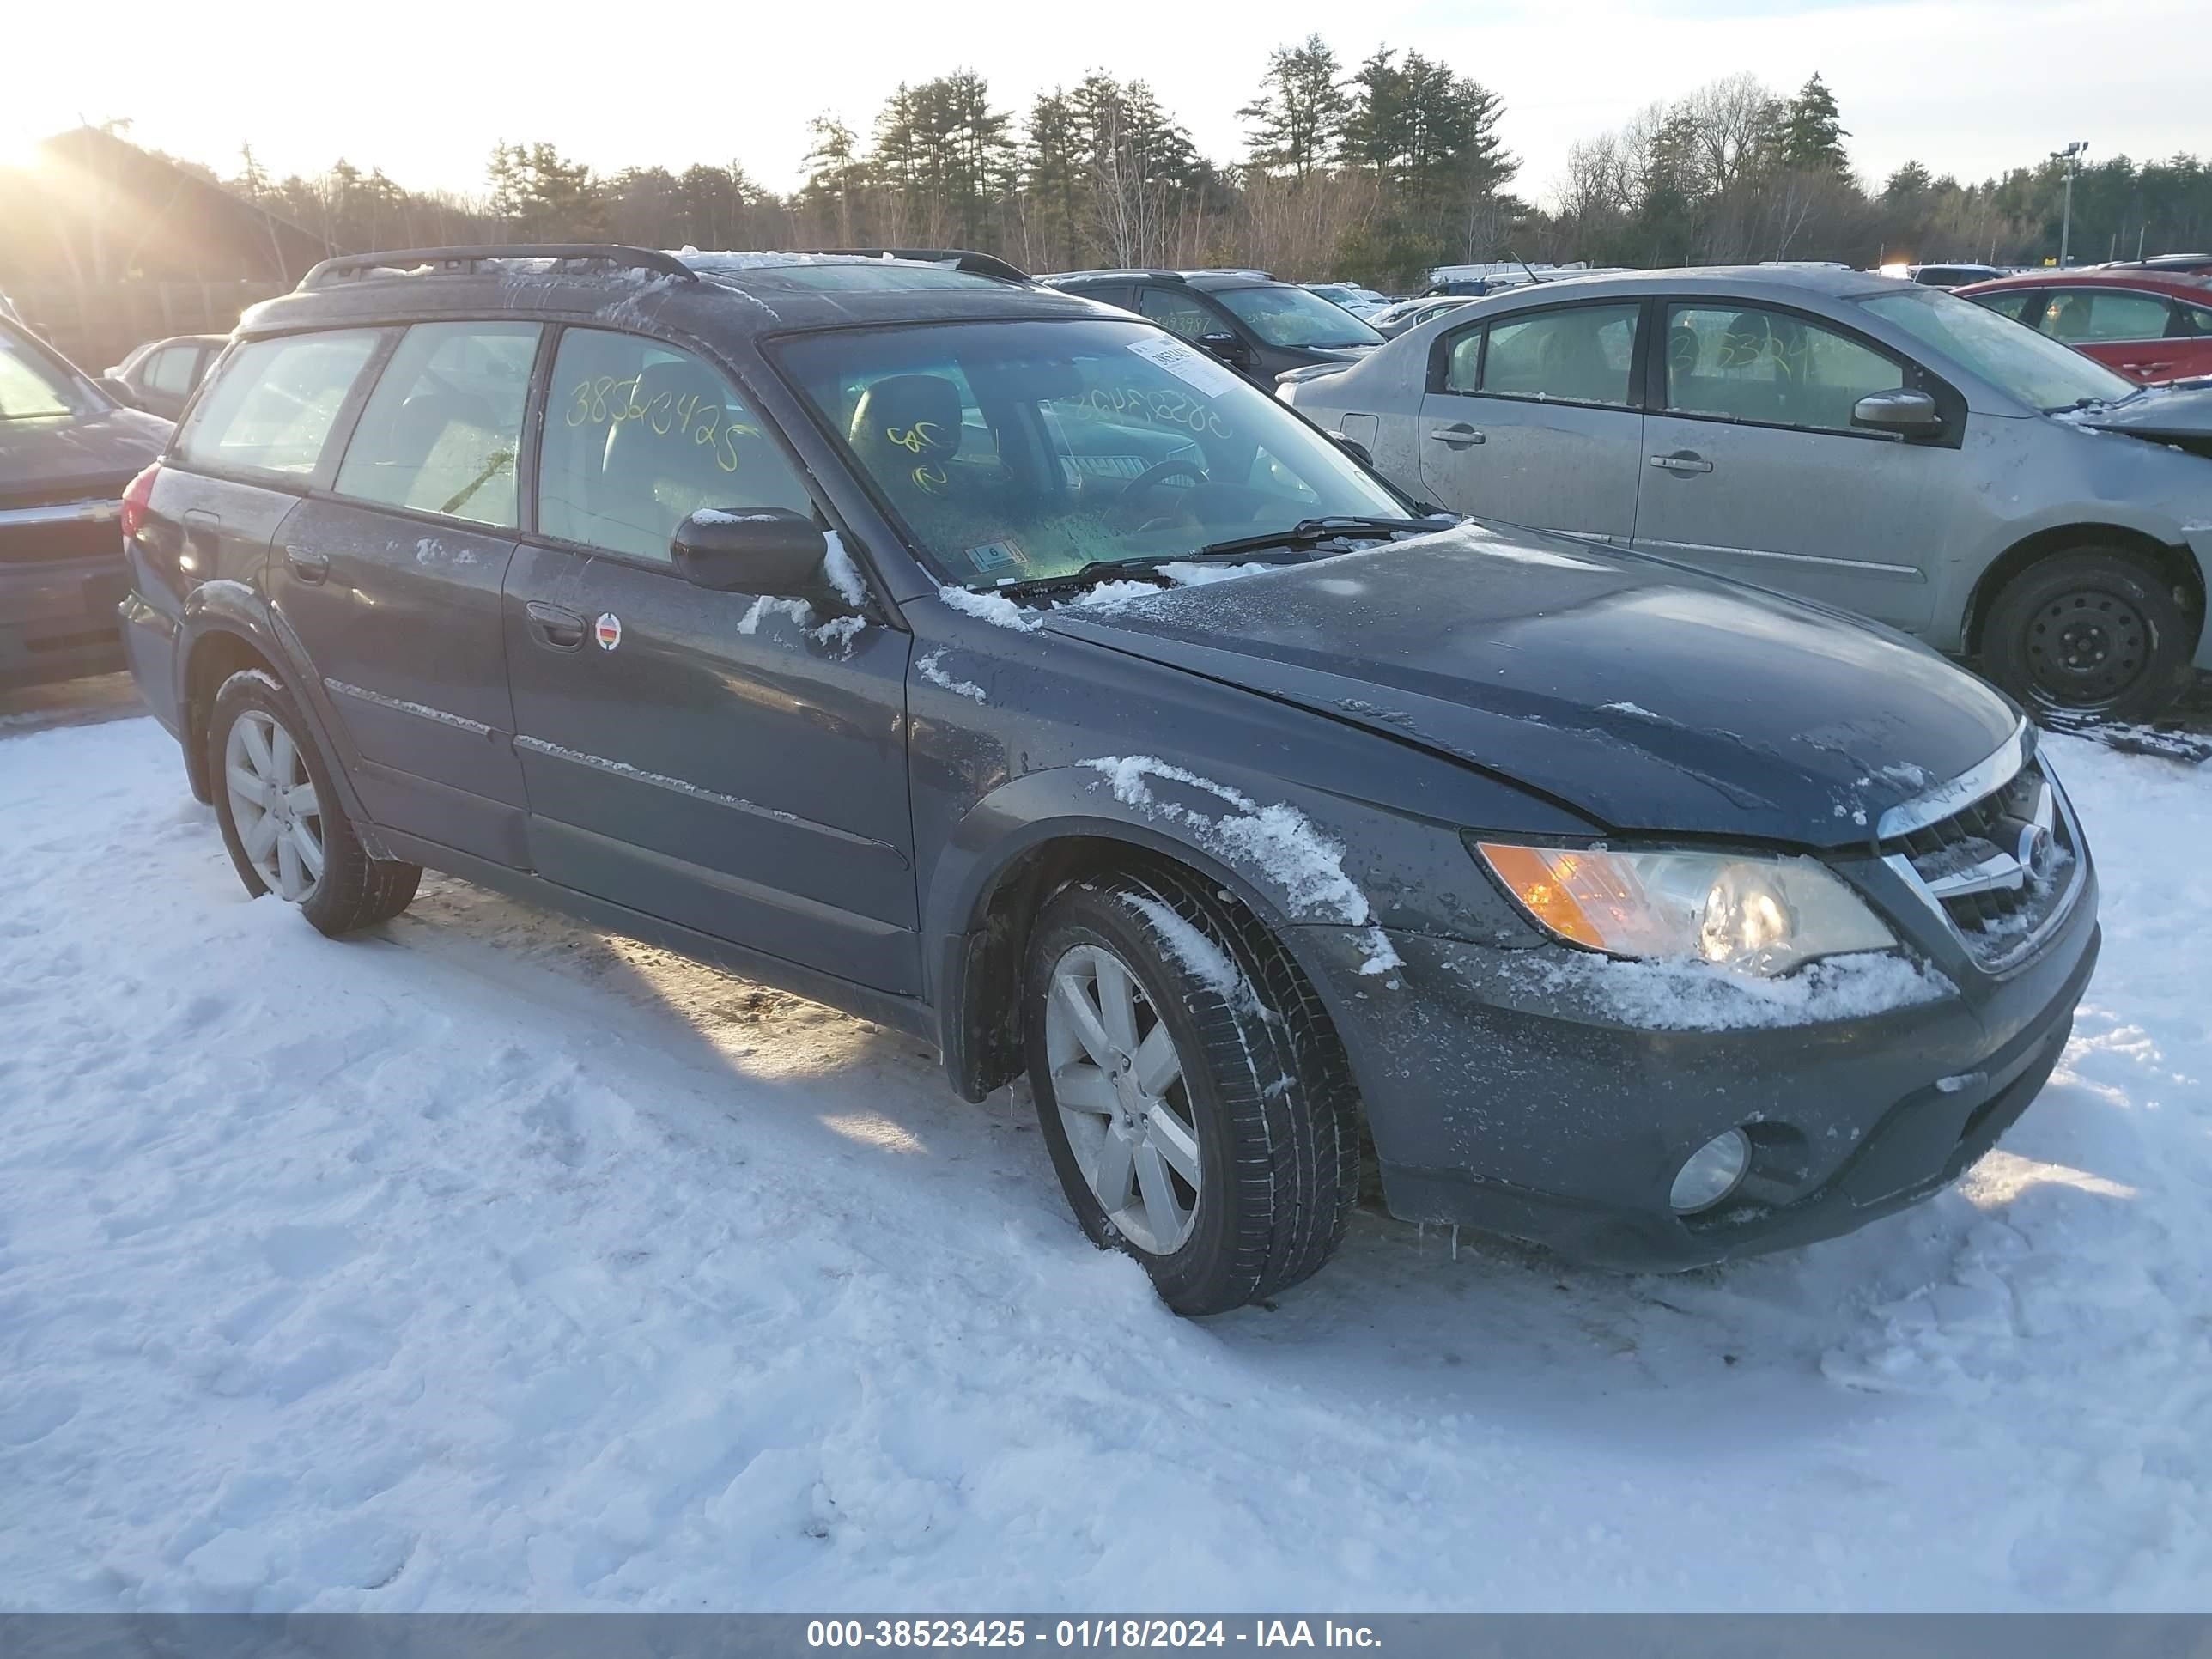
2093, 632
1196, 1107
286, 832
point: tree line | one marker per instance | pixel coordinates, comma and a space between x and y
1375, 171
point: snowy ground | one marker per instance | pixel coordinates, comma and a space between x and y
489, 1262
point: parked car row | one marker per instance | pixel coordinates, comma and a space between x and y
2149, 324
848, 622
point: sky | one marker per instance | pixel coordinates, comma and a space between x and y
423, 90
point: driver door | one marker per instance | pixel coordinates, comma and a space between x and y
729, 762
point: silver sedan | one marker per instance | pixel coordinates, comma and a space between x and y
1880, 445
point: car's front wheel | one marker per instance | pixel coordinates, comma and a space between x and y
2093, 631
286, 829
1197, 1109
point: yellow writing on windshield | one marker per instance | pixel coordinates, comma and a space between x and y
610, 400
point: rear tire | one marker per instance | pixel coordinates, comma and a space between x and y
2095, 633
286, 829
1254, 1144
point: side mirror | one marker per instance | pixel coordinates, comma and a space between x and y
1227, 347
122, 390
1357, 450
1907, 414
766, 550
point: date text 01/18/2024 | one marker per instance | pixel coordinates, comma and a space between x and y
1141, 1633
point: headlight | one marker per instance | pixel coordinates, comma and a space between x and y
1753, 914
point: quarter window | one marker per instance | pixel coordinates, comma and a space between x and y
2084, 316
274, 406
440, 432
1579, 354
1769, 367
640, 435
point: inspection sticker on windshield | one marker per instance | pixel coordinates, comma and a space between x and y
1187, 364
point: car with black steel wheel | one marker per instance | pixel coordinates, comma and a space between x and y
965, 655
1854, 439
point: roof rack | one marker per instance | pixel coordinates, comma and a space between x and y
1126, 272
1230, 270
975, 264
450, 259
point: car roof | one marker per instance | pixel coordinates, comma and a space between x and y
2179, 283
705, 295
1773, 283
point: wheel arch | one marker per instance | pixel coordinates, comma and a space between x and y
988, 897
2173, 560
223, 638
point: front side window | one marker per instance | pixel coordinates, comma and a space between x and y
1285, 316
2085, 316
1021, 449
639, 435
32, 388
1769, 367
442, 430
1578, 354
2020, 362
274, 406
1179, 311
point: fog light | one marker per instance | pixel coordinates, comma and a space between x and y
1712, 1173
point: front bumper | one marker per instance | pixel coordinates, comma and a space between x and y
1499, 1101
58, 618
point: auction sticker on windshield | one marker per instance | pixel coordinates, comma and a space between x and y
1187, 364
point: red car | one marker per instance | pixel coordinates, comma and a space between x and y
2149, 324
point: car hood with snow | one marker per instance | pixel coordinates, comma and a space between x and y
1639, 693
2178, 413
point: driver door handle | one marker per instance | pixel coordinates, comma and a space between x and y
306, 564
1684, 462
554, 627
1459, 435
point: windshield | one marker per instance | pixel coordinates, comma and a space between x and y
2016, 360
1021, 450
1285, 316
32, 387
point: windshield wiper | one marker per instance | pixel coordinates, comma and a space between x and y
1307, 532
1100, 570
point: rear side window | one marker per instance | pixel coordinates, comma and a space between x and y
440, 432
640, 435
1582, 354
171, 370
272, 408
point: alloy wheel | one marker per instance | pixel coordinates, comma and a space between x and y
273, 806
1118, 1082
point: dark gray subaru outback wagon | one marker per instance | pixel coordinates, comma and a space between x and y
992, 663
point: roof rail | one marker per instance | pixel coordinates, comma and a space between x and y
977, 264
1149, 273
463, 258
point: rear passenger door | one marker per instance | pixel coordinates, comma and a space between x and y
732, 763
391, 577
1534, 419
1754, 468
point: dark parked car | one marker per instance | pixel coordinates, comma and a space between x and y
67, 449
1259, 326
2150, 325
162, 375
971, 658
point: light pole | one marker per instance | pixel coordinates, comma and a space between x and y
2072, 156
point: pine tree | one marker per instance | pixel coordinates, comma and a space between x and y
1812, 135
1297, 118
